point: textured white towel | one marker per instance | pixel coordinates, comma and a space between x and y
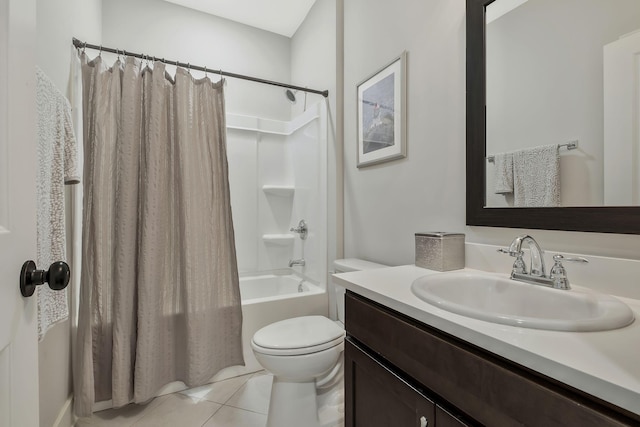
57, 157
503, 168
536, 177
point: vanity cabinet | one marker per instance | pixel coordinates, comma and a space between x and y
398, 370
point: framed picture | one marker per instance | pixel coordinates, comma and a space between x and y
382, 114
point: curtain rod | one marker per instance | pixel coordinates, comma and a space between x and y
83, 45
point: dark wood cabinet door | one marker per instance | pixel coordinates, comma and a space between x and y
376, 397
445, 419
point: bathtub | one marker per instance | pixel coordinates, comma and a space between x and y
272, 287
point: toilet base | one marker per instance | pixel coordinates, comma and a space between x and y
292, 404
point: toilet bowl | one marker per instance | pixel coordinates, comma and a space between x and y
297, 351
304, 354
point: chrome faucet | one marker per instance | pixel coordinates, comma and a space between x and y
301, 262
537, 273
536, 267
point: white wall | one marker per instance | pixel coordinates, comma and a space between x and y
386, 204
57, 22
541, 91
163, 29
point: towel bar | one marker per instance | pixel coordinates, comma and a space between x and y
571, 145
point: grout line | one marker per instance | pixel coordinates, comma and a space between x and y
235, 391
249, 376
248, 410
215, 412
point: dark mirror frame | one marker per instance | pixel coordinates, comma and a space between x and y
615, 219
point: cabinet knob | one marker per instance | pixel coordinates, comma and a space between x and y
423, 422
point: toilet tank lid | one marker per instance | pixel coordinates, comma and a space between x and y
355, 264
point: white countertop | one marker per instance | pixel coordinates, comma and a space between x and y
603, 364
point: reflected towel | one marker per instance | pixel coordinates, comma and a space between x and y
536, 177
503, 168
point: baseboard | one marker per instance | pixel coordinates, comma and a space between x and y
66, 418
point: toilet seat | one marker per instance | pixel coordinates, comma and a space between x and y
298, 336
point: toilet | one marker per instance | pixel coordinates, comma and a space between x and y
304, 354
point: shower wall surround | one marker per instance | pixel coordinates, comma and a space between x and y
278, 177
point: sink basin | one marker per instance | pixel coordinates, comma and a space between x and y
498, 299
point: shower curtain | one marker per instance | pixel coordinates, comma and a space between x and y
159, 298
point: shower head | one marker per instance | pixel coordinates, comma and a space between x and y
291, 95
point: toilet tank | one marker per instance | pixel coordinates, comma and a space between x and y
344, 266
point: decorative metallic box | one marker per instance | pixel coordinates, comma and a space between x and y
440, 251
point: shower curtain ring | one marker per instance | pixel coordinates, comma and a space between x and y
84, 47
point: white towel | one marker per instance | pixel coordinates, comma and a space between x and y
503, 169
57, 160
536, 177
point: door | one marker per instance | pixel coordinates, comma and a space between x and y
18, 329
622, 121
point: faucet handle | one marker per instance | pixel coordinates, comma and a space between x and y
301, 229
519, 266
558, 258
510, 252
559, 274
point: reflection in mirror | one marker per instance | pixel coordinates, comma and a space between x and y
559, 71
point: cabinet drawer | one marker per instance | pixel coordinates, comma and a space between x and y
377, 397
488, 389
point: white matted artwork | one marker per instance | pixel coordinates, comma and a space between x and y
382, 114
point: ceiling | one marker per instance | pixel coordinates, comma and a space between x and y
278, 16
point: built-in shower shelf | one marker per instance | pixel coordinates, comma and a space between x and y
278, 239
279, 190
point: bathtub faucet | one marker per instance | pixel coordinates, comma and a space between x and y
299, 262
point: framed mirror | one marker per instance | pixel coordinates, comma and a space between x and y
522, 94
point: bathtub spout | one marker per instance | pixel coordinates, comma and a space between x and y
299, 262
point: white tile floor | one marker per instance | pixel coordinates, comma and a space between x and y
236, 402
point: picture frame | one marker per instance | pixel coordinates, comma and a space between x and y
382, 115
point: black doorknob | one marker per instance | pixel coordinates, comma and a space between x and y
57, 276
